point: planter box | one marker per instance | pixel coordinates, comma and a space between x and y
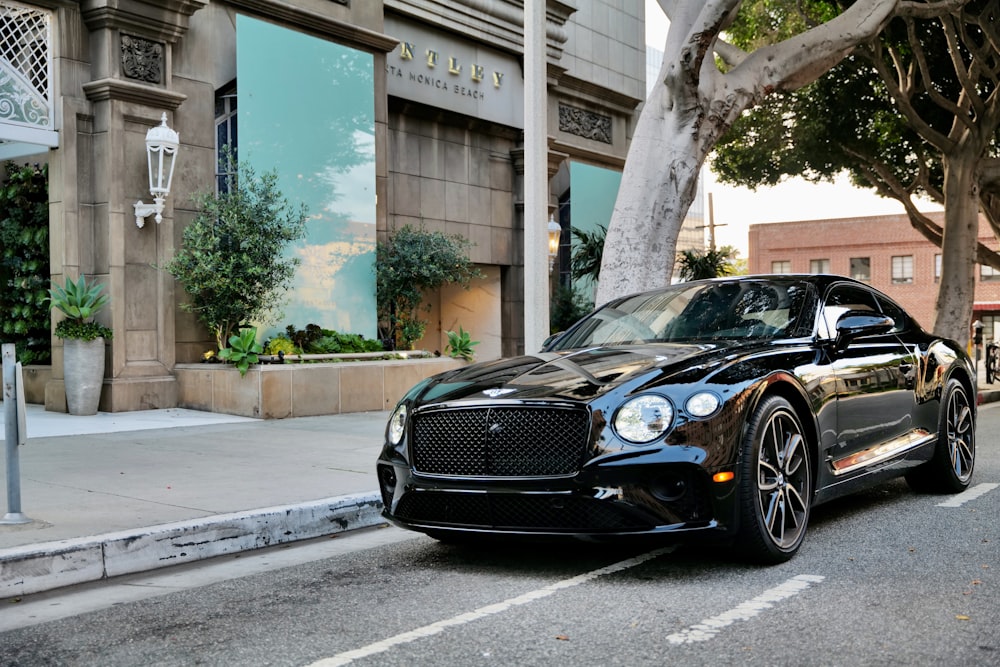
277, 391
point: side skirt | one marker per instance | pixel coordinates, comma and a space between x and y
881, 452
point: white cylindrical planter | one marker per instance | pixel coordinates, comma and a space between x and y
83, 370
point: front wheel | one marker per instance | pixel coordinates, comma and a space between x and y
775, 484
950, 469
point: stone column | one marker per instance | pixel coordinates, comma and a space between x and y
97, 176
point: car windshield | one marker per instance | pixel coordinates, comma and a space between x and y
747, 309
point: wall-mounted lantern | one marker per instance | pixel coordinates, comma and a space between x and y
161, 153
555, 230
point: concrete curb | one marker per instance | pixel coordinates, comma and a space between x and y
45, 566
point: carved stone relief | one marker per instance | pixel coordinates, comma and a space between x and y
142, 59
586, 124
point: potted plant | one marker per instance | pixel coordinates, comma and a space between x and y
83, 342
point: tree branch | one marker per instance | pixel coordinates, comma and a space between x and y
929, 10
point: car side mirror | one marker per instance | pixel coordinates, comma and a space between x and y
859, 323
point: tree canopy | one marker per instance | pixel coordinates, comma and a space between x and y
697, 96
911, 112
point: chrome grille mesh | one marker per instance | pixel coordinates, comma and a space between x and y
500, 441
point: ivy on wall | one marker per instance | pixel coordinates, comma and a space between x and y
24, 262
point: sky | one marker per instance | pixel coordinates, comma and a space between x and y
796, 199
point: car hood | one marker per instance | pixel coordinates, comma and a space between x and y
576, 375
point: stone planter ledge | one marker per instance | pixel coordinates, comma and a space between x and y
278, 391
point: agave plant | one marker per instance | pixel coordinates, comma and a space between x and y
80, 303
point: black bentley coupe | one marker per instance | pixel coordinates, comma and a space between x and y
726, 408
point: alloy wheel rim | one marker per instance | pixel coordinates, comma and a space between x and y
961, 443
783, 480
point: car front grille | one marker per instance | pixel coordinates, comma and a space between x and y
528, 512
500, 441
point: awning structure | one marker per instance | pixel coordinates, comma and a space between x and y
27, 105
986, 305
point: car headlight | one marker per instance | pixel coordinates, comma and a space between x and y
397, 424
702, 404
644, 418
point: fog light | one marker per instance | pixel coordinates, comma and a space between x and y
387, 482
668, 488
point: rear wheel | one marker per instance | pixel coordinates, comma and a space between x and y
950, 469
775, 484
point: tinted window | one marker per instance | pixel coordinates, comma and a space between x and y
690, 312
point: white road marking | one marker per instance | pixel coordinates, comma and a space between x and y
710, 627
968, 495
440, 626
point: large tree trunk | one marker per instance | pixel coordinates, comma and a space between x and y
953, 309
658, 186
691, 105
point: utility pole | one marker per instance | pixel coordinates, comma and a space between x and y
711, 224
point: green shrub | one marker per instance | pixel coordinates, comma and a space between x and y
280, 344
231, 261
314, 339
80, 303
411, 262
460, 345
24, 262
242, 350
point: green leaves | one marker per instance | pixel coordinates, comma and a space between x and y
696, 264
243, 350
411, 262
80, 303
232, 260
588, 251
24, 262
77, 300
460, 344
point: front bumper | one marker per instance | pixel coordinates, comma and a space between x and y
661, 490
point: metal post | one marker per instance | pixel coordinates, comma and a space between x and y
14, 515
536, 179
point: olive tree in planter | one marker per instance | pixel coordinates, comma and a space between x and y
83, 342
409, 263
231, 261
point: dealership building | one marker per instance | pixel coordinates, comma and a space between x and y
375, 114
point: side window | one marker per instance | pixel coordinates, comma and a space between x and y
896, 313
839, 300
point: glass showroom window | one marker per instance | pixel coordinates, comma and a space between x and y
861, 268
902, 269
225, 133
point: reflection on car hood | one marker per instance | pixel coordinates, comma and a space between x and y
573, 375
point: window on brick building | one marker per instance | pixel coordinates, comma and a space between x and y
783, 266
861, 268
819, 266
988, 273
991, 327
937, 267
902, 269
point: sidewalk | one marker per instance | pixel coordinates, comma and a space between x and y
117, 493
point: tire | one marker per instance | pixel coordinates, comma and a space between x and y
776, 484
950, 468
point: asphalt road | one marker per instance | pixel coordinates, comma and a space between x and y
887, 577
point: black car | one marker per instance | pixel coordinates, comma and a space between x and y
726, 408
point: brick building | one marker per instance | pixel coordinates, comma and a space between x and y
884, 251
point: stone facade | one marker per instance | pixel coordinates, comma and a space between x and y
120, 64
